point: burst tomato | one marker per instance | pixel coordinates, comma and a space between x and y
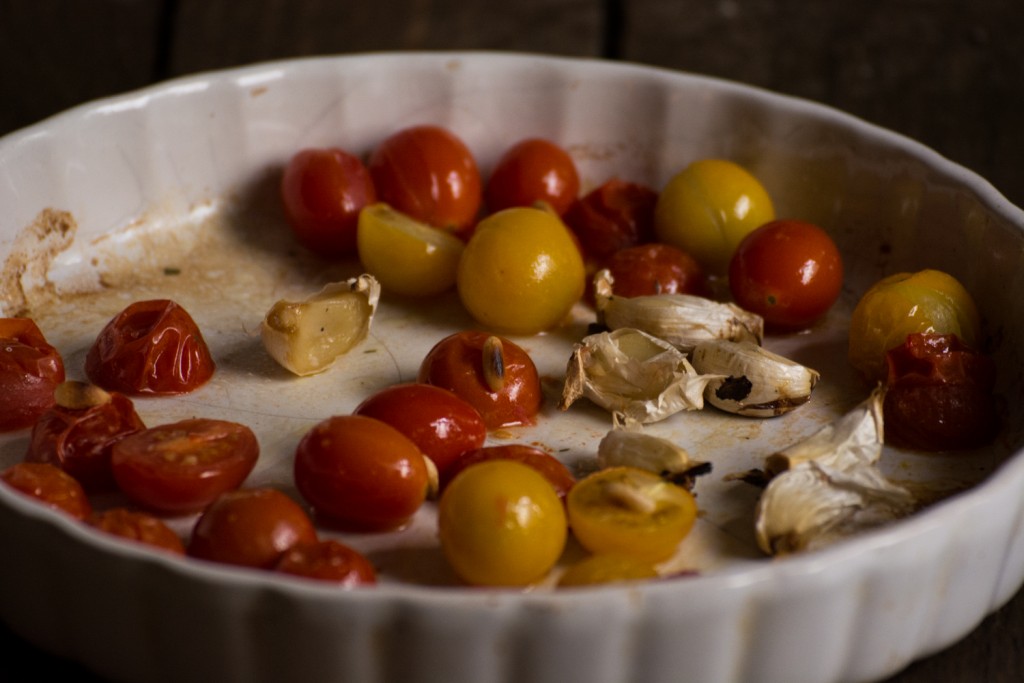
615, 215
655, 268
531, 171
328, 560
551, 467
50, 485
30, 370
137, 526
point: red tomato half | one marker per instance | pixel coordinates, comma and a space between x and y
615, 215
551, 467
530, 171
655, 268
138, 526
151, 347
182, 467
50, 485
328, 560
323, 191
788, 272
30, 370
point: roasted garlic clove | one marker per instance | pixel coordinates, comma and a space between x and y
757, 383
627, 445
307, 337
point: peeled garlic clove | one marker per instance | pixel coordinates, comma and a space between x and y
757, 383
626, 445
307, 337
683, 320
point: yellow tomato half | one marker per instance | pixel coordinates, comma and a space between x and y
607, 568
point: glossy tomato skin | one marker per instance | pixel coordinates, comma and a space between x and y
551, 467
440, 423
80, 440
788, 272
30, 370
360, 474
456, 363
181, 467
328, 560
430, 174
531, 171
138, 526
151, 347
615, 215
655, 268
50, 485
323, 191
250, 528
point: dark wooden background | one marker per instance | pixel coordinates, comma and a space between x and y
949, 73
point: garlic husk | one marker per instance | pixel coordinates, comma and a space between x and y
627, 445
633, 373
757, 383
306, 337
683, 320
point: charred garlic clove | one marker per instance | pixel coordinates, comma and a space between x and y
627, 445
631, 372
828, 487
306, 337
757, 382
683, 320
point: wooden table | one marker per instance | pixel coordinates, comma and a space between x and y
945, 72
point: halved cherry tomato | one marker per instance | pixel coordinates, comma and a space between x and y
151, 347
323, 191
328, 560
250, 528
360, 474
553, 469
655, 268
615, 215
440, 423
50, 485
30, 370
183, 466
607, 568
788, 272
491, 373
531, 171
138, 526
428, 173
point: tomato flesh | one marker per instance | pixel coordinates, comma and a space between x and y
137, 526
49, 485
30, 370
328, 560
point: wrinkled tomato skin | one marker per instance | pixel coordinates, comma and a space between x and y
939, 395
181, 467
456, 363
151, 347
138, 526
531, 171
79, 441
323, 191
328, 560
51, 486
440, 423
30, 370
615, 215
551, 467
647, 269
250, 528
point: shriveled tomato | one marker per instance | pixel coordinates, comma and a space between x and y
530, 171
328, 560
30, 370
138, 526
615, 215
442, 424
607, 568
360, 474
939, 394
788, 272
553, 469
494, 375
429, 173
655, 268
50, 485
250, 528
183, 466
323, 191
151, 347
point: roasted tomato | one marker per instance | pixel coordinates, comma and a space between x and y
151, 347
328, 560
607, 568
50, 485
655, 268
551, 467
939, 395
183, 466
616, 215
30, 370
531, 171
138, 526
493, 374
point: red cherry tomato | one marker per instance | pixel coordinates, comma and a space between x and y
50, 485
530, 171
151, 347
328, 560
655, 268
788, 272
79, 440
506, 390
250, 528
30, 370
137, 526
615, 215
360, 474
428, 173
323, 191
551, 467
183, 466
440, 423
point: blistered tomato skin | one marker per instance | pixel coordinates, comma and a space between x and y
151, 347
328, 560
615, 215
530, 171
137, 526
657, 268
50, 485
30, 370
557, 474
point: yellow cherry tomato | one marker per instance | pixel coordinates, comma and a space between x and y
607, 568
708, 208
926, 301
501, 523
629, 511
521, 272
407, 256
